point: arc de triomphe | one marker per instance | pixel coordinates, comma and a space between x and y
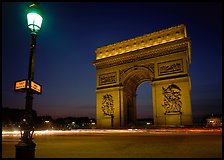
161, 58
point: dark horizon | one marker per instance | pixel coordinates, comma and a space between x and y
196, 119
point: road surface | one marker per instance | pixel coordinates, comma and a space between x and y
147, 143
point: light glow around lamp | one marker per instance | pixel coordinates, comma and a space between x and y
34, 18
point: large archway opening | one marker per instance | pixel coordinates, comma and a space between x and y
135, 77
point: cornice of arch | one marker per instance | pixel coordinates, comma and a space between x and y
143, 54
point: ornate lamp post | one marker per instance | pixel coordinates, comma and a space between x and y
26, 147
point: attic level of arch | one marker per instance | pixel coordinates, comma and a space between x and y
148, 40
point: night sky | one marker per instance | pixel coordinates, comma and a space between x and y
71, 32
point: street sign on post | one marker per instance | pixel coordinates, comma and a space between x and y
23, 85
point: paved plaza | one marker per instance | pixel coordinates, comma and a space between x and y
132, 143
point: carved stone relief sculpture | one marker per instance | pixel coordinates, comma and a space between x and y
172, 99
107, 105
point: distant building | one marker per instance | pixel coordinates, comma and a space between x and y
142, 123
69, 123
214, 122
12, 118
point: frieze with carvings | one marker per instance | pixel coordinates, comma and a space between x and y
108, 78
172, 99
170, 67
108, 105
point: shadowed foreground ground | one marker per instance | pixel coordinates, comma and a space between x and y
116, 144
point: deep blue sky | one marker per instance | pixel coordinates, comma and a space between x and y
71, 33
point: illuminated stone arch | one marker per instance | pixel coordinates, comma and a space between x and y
160, 58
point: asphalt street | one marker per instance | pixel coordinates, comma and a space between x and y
121, 144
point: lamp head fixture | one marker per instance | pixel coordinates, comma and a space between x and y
34, 18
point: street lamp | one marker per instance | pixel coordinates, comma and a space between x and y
26, 147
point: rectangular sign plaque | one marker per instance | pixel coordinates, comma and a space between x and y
20, 85
36, 87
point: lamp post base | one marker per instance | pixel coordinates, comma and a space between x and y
25, 149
